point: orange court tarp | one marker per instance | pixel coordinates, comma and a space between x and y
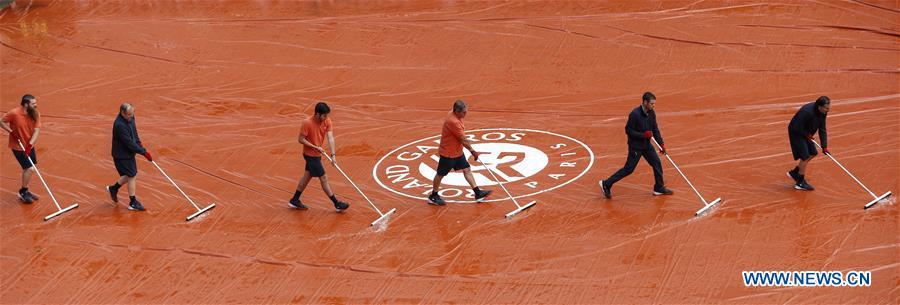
220, 89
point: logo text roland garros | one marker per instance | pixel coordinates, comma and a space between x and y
527, 161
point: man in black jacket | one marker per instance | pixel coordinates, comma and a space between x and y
640, 128
125, 144
809, 119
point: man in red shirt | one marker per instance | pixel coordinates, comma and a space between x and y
24, 124
313, 132
453, 139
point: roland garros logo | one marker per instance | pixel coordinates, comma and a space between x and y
526, 161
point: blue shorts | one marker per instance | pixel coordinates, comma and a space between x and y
314, 166
23, 161
126, 167
802, 148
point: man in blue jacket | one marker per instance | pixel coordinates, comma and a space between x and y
805, 123
641, 126
125, 144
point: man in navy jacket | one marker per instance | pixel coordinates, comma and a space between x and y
125, 144
640, 128
805, 123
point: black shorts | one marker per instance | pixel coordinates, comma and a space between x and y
446, 164
802, 147
314, 166
126, 167
23, 161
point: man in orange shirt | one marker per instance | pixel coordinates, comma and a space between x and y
313, 132
24, 124
453, 138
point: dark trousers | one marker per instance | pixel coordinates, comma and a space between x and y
634, 155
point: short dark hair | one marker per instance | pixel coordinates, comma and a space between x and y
822, 101
459, 106
26, 99
648, 96
322, 108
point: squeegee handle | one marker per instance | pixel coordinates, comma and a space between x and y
353, 184
516, 202
176, 185
40, 176
846, 171
681, 173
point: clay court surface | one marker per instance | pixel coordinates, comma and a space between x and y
220, 88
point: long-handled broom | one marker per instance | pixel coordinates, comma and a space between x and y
519, 208
199, 210
59, 209
382, 216
871, 203
706, 205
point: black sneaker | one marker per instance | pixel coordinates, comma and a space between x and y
26, 197
662, 191
481, 194
33, 196
136, 206
794, 174
297, 204
113, 193
340, 206
606, 191
435, 199
803, 186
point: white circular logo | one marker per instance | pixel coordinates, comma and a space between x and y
526, 161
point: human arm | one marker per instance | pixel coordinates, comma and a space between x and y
5, 125
119, 135
302, 140
823, 136
632, 129
331, 146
